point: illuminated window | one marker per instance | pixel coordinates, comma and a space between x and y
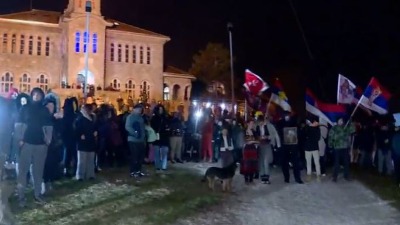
30, 47
112, 52
85, 41
6, 82
14, 43
166, 92
145, 90
116, 84
4, 49
119, 53
94, 43
141, 55
130, 88
39, 45
126, 53
134, 54
47, 46
43, 82
77, 42
148, 55
25, 83
22, 45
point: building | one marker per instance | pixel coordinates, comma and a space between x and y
47, 49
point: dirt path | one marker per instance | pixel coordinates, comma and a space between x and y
326, 203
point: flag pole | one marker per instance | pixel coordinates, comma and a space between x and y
354, 111
245, 110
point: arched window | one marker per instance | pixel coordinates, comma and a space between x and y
78, 41
116, 84
148, 55
14, 43
145, 90
39, 46
22, 45
166, 92
126, 53
47, 46
119, 53
141, 55
94, 43
187, 93
130, 88
134, 53
30, 47
175, 92
7, 81
5, 42
25, 83
112, 52
85, 41
43, 82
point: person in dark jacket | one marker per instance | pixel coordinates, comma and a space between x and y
160, 124
36, 136
52, 167
176, 138
290, 149
71, 110
395, 145
383, 136
137, 140
86, 135
311, 147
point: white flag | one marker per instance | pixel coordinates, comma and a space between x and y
345, 90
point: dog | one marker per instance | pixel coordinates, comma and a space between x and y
224, 174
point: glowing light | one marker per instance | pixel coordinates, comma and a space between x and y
208, 105
223, 106
195, 103
198, 114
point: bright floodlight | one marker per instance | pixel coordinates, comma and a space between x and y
198, 114
223, 106
194, 103
208, 105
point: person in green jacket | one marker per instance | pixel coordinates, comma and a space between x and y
340, 140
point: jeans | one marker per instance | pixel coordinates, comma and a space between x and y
385, 159
265, 158
290, 154
138, 151
313, 155
160, 157
341, 155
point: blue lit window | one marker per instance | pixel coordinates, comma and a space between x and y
85, 41
94, 43
77, 42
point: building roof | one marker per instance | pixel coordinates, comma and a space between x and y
120, 26
35, 15
54, 18
178, 72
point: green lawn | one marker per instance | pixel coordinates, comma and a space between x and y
115, 198
384, 186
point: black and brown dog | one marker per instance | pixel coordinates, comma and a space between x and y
224, 174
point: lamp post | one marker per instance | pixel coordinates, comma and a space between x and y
88, 9
230, 27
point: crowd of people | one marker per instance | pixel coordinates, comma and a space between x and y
44, 140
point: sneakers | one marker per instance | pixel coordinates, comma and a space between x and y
308, 178
40, 201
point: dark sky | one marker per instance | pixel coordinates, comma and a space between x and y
357, 38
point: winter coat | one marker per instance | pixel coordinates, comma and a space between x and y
312, 137
86, 126
395, 143
160, 124
339, 136
238, 136
383, 140
135, 127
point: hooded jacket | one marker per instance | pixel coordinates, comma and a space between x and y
160, 124
37, 122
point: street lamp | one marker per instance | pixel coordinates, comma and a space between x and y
88, 9
230, 27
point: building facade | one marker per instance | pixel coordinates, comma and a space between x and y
47, 49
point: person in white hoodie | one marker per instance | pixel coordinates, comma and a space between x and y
268, 137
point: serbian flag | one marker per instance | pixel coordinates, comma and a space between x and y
327, 112
357, 96
375, 97
278, 96
345, 90
254, 84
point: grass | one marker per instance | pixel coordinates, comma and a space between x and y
158, 199
384, 186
